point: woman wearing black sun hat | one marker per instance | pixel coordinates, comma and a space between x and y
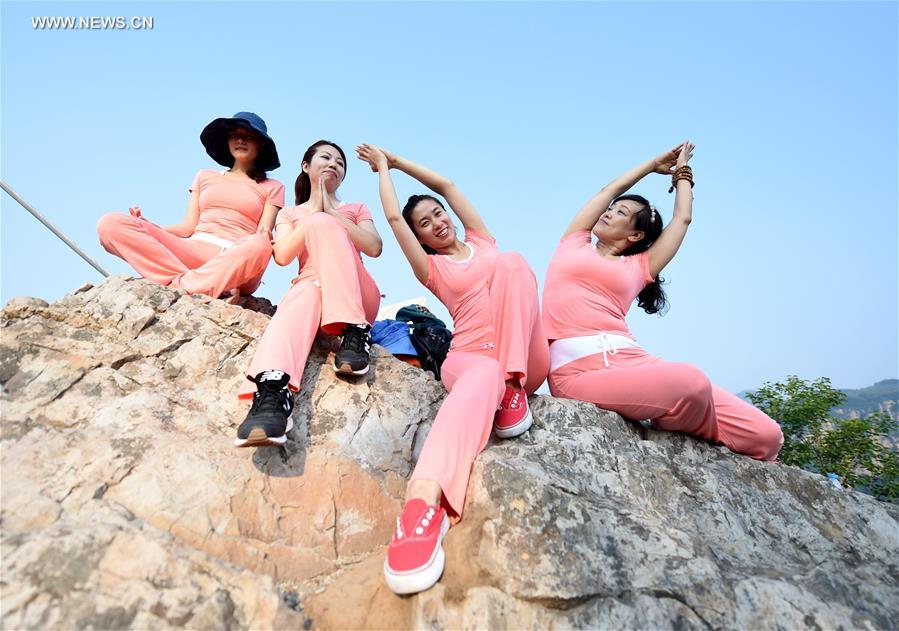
223, 245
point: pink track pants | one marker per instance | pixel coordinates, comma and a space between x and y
476, 380
677, 397
332, 290
193, 266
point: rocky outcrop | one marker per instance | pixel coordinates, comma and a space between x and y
125, 505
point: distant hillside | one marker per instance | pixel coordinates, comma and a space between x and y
883, 396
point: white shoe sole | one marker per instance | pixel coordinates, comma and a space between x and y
516, 430
258, 438
345, 369
420, 579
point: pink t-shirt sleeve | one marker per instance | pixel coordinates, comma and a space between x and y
284, 218
640, 264
481, 240
574, 240
361, 214
433, 272
275, 195
195, 185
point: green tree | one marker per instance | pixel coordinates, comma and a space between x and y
816, 440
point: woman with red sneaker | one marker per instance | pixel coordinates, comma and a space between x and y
224, 243
589, 289
333, 293
498, 356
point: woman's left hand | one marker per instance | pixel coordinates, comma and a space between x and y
266, 231
375, 156
665, 163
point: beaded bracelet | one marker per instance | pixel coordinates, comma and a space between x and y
681, 173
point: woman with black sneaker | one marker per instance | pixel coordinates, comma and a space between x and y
333, 293
498, 356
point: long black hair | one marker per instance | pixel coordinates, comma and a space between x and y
407, 215
257, 175
648, 220
303, 186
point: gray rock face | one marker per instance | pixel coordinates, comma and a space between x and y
124, 504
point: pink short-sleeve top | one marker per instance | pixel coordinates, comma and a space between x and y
587, 293
462, 286
231, 209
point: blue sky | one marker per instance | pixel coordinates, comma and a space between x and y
790, 265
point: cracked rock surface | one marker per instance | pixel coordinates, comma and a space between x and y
124, 504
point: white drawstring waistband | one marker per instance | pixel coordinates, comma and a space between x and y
568, 349
224, 244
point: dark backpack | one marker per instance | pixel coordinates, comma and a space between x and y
429, 336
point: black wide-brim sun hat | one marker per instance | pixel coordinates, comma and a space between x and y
215, 138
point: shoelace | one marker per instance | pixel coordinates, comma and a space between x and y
354, 339
268, 399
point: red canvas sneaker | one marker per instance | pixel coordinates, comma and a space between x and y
415, 556
513, 416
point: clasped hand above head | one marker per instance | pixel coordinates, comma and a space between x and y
685, 154
376, 157
668, 161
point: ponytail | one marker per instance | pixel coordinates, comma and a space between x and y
652, 299
303, 188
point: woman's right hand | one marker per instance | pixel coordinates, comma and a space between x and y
375, 156
685, 153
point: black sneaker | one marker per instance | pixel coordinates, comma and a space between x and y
352, 358
269, 420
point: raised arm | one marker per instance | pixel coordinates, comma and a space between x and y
589, 214
666, 246
457, 201
406, 238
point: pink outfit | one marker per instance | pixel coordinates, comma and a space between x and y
333, 289
235, 258
498, 335
587, 294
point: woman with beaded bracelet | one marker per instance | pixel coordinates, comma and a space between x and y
588, 291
